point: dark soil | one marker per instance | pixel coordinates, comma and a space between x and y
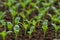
38, 33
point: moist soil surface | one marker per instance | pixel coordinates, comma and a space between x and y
38, 33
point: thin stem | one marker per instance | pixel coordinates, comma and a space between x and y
5, 28
29, 37
44, 34
55, 34
16, 37
25, 31
13, 20
4, 38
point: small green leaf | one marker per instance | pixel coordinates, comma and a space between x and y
31, 30
9, 25
16, 29
17, 19
56, 27
25, 26
45, 26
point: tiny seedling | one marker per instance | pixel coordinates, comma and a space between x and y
9, 25
38, 18
25, 27
55, 18
55, 10
13, 13
2, 14
3, 24
56, 29
16, 31
4, 34
34, 22
45, 26
31, 31
22, 15
17, 19
9, 3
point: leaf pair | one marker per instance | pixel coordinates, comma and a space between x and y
45, 26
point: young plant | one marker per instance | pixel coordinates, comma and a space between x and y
13, 13
31, 31
9, 25
15, 7
56, 29
23, 16
3, 24
4, 34
25, 27
17, 19
45, 26
38, 18
55, 10
55, 18
16, 31
34, 22
28, 12
9, 3
2, 15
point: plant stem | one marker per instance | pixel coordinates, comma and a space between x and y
55, 34
29, 37
16, 37
25, 31
4, 38
44, 34
13, 20
5, 28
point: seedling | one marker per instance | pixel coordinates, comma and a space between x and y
15, 7
2, 14
23, 16
31, 31
28, 12
34, 22
25, 27
9, 25
56, 29
17, 19
4, 34
16, 31
3, 24
45, 26
9, 3
55, 10
55, 18
38, 18
13, 13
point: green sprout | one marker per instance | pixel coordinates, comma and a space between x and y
4, 34
38, 18
13, 13
55, 18
23, 16
3, 24
15, 7
45, 26
55, 10
34, 23
16, 31
25, 27
2, 14
17, 19
56, 29
9, 3
31, 31
9, 25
